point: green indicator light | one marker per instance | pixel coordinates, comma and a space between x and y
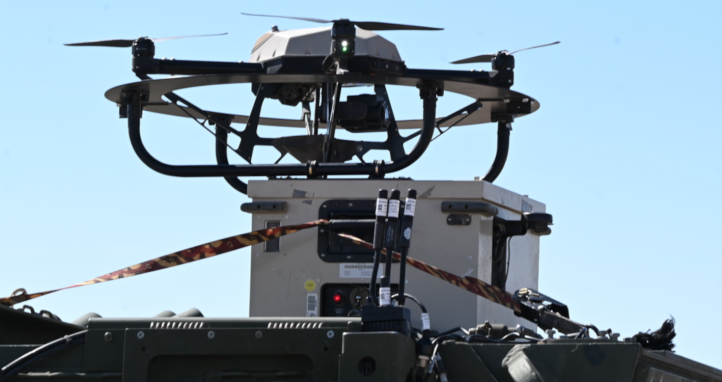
345, 48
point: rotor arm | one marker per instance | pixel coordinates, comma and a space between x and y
149, 65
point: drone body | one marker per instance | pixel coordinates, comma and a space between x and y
315, 42
311, 67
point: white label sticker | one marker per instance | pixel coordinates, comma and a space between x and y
358, 270
407, 233
381, 205
385, 296
312, 305
410, 207
425, 321
394, 208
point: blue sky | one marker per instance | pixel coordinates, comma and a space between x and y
624, 151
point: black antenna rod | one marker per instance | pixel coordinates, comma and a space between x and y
382, 204
389, 244
404, 241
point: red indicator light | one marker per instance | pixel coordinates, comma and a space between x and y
337, 298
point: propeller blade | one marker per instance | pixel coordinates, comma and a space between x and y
534, 47
291, 17
488, 57
128, 43
177, 37
108, 43
482, 58
378, 26
368, 25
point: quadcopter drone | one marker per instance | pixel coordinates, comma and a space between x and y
297, 66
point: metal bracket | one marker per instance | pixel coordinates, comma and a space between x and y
264, 207
481, 208
458, 219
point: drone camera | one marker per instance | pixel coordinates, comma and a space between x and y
363, 113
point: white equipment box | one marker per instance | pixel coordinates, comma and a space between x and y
297, 275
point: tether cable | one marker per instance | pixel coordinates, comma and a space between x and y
185, 256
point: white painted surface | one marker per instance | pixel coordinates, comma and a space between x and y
278, 279
317, 42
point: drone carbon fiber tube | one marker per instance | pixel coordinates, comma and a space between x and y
222, 158
502, 151
379, 228
134, 111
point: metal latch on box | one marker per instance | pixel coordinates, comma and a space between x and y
460, 212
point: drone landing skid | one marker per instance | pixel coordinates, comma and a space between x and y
300, 147
319, 155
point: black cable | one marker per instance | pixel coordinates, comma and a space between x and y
581, 333
456, 329
40, 353
412, 298
508, 260
355, 312
596, 331
453, 337
515, 335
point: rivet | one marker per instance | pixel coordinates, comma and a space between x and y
141, 335
211, 334
329, 334
259, 334
108, 336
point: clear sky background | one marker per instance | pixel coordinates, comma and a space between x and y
624, 151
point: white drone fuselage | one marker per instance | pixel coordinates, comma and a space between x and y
317, 42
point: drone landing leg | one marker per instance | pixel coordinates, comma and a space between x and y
502, 150
307, 117
395, 142
249, 136
317, 112
222, 155
331, 123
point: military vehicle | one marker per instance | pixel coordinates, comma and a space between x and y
331, 296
